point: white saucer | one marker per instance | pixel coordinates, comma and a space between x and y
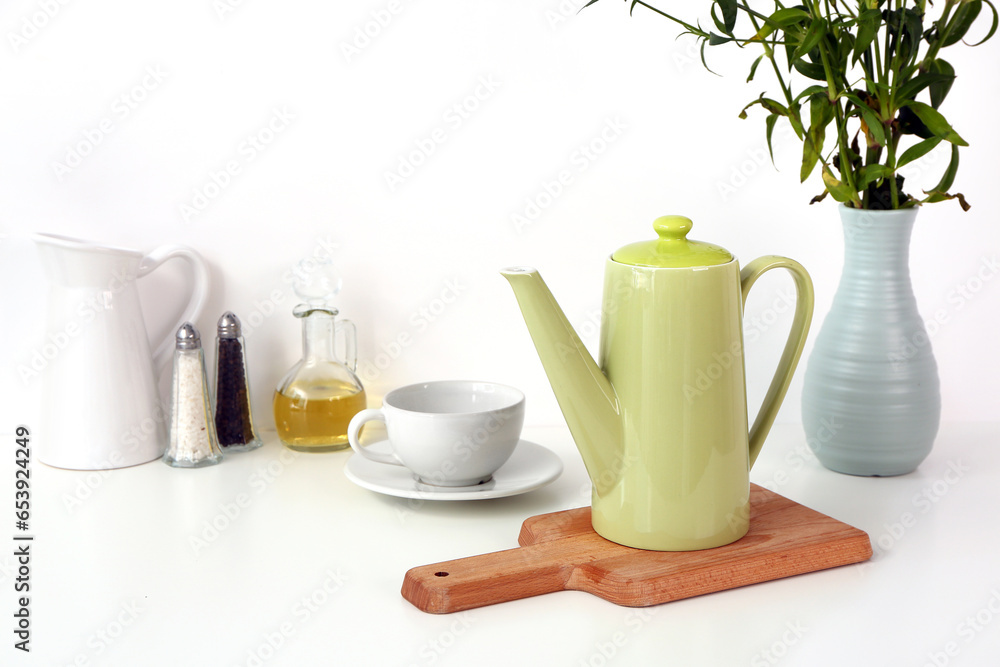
530, 467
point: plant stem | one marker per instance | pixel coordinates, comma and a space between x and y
932, 51
846, 168
769, 53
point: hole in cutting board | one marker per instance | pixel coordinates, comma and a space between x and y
440, 574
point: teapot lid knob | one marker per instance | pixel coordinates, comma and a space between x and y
672, 249
672, 227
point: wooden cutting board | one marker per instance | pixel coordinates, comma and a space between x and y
561, 551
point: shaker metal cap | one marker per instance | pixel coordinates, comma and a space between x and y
188, 337
229, 325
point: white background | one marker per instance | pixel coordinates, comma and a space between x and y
122, 537
357, 113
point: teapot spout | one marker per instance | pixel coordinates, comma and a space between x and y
585, 396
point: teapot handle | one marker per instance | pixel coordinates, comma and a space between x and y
793, 347
199, 292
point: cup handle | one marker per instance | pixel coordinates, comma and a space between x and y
354, 428
793, 347
199, 292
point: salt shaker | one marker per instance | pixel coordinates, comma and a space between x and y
233, 416
193, 443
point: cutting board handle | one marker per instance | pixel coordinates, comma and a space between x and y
502, 576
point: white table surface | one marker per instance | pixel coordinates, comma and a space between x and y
313, 565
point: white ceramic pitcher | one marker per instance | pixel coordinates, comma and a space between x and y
101, 408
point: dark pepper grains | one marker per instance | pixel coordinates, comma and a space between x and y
233, 424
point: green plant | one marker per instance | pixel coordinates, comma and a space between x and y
872, 59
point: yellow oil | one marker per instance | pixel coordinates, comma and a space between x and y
313, 416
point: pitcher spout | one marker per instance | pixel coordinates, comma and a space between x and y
586, 397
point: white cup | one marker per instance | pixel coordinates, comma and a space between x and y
448, 433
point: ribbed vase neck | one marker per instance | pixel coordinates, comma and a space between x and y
881, 238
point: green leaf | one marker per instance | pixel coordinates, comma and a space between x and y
769, 104
728, 8
993, 26
784, 18
936, 123
718, 22
753, 68
770, 121
840, 191
917, 151
794, 119
911, 88
873, 14
942, 196
912, 34
809, 70
815, 33
818, 198
764, 32
821, 112
939, 89
961, 21
867, 29
810, 91
871, 173
811, 148
949, 174
704, 43
716, 39
876, 130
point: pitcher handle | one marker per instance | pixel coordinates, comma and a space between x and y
793, 347
199, 291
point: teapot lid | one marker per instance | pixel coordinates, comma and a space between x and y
672, 249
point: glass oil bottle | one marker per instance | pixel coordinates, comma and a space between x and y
317, 398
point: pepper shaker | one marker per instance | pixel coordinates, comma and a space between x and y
233, 415
193, 442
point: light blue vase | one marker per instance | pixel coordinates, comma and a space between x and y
871, 402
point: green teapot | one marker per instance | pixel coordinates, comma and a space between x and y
661, 421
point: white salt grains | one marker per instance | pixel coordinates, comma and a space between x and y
192, 431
